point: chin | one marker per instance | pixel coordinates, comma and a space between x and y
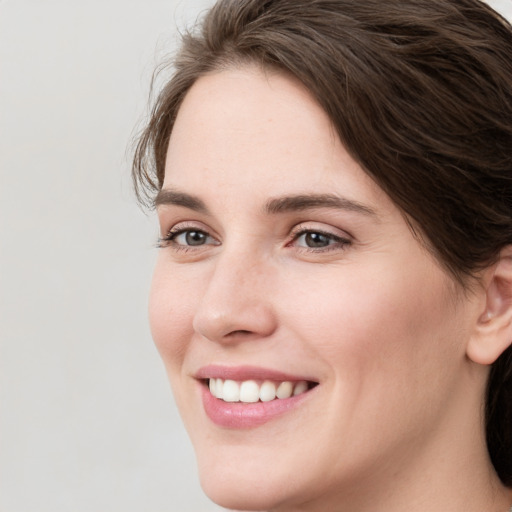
247, 483
235, 491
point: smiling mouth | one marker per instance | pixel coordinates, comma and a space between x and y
252, 391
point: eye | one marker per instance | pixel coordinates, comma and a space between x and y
190, 237
318, 240
184, 238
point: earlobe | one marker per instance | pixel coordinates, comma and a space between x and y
493, 332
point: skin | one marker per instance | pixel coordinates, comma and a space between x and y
371, 316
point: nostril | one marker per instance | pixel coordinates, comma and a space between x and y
242, 332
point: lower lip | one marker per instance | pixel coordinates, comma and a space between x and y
247, 415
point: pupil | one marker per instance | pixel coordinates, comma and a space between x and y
195, 238
317, 240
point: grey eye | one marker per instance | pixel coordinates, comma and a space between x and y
188, 237
317, 240
311, 239
192, 237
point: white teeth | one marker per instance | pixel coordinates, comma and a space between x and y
249, 391
219, 385
267, 391
284, 390
231, 391
300, 387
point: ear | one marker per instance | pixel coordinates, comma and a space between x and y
493, 331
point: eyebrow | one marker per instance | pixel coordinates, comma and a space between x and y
310, 201
169, 196
294, 203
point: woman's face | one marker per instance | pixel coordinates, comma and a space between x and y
286, 264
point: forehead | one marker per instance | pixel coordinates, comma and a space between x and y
258, 131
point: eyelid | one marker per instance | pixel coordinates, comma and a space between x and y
340, 238
182, 227
314, 227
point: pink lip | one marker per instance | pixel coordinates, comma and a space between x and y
241, 415
241, 373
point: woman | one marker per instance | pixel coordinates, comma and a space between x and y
333, 294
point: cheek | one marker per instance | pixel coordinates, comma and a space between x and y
171, 309
388, 348
382, 329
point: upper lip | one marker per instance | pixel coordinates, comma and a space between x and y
241, 373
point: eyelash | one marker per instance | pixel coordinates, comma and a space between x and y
170, 238
335, 242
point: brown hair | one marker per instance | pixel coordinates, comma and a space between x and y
420, 93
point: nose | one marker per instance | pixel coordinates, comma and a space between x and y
237, 303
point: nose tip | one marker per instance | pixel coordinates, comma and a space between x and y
236, 305
227, 324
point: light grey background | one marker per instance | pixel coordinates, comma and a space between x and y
87, 421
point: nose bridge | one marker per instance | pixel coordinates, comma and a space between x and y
236, 299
